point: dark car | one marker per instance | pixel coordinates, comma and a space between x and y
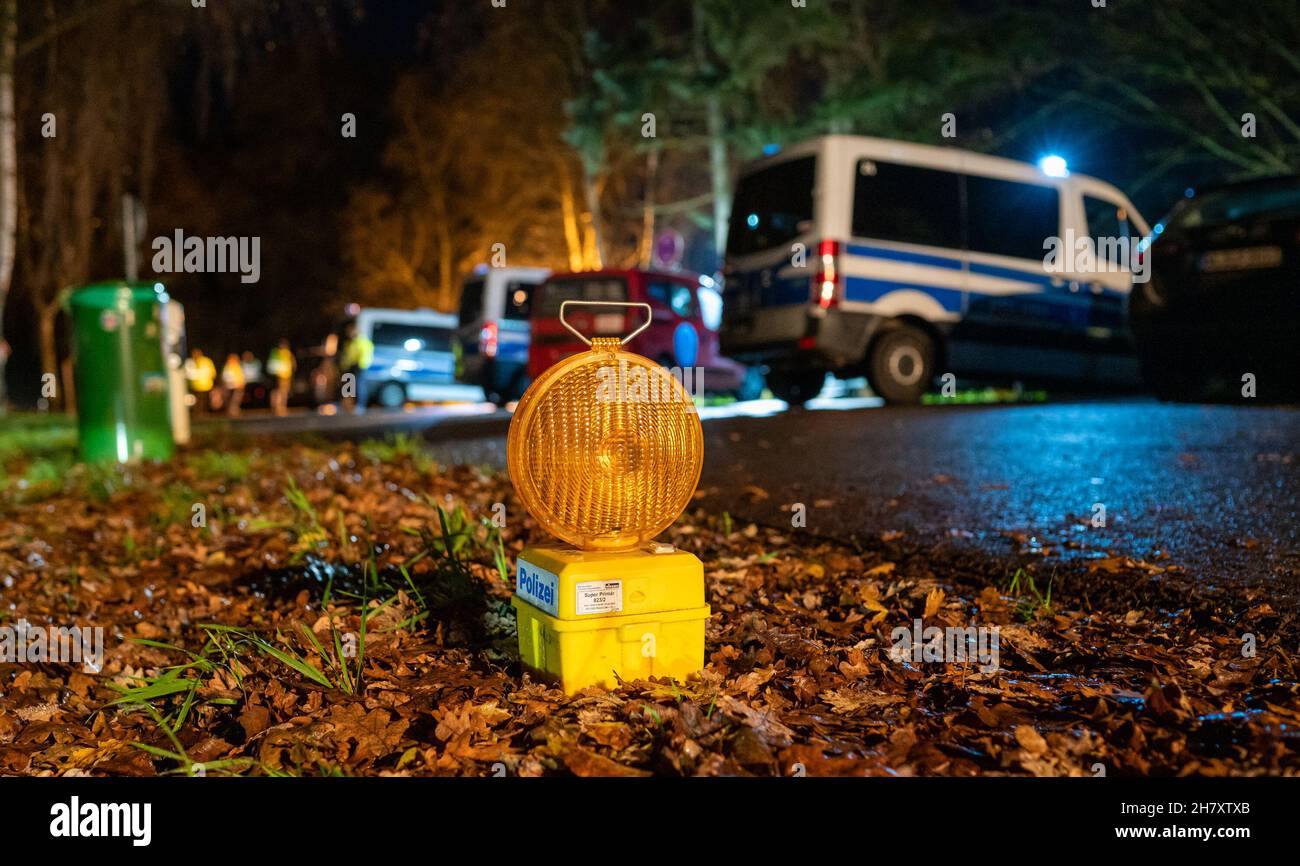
1222, 307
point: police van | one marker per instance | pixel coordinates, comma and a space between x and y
413, 358
493, 329
902, 262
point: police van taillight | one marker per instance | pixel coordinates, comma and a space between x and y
826, 280
487, 340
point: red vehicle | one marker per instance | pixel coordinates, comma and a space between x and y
678, 335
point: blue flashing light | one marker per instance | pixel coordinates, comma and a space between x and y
1054, 166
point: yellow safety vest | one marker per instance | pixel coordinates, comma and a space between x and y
232, 374
280, 363
202, 373
358, 353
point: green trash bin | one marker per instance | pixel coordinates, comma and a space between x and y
123, 404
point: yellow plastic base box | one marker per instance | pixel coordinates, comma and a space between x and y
592, 618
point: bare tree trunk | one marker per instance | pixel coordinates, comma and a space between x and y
8, 172
720, 169
595, 252
719, 160
648, 208
569, 211
48, 319
445, 247
446, 292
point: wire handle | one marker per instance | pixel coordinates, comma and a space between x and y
649, 314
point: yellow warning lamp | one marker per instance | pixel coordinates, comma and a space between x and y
605, 451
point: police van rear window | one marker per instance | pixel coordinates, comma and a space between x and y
772, 207
519, 299
471, 301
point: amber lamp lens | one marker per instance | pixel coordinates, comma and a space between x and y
605, 449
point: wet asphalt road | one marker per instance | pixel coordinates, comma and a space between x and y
1216, 488
1213, 488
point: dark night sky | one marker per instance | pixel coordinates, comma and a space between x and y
285, 173
271, 163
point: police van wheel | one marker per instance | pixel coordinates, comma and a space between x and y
796, 387
391, 395
902, 365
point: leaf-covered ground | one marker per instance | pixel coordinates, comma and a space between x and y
238, 645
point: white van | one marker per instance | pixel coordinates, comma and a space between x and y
493, 330
413, 358
901, 262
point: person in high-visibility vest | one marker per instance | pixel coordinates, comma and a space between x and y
358, 352
280, 365
232, 379
201, 374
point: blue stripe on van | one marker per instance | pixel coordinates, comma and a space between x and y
950, 263
1010, 274
902, 256
791, 291
866, 290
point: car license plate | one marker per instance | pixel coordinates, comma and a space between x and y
1243, 259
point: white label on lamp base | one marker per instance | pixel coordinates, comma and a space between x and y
599, 596
539, 587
